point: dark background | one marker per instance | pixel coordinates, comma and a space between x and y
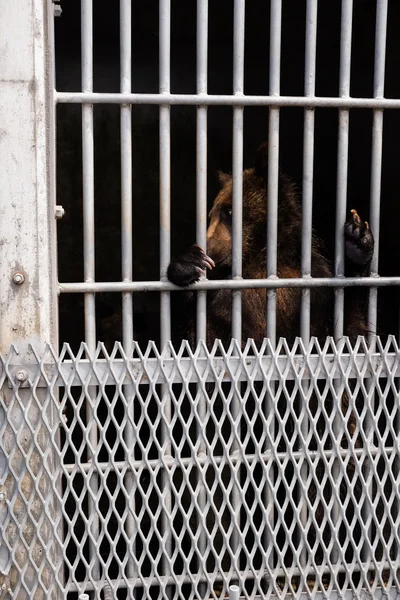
145, 64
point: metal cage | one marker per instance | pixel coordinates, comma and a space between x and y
187, 472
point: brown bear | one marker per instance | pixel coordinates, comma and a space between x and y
190, 265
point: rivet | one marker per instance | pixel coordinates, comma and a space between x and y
18, 278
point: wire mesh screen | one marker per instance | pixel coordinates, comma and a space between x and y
179, 473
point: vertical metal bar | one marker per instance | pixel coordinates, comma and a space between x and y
201, 155
89, 247
165, 256
273, 164
165, 167
342, 167
375, 198
306, 245
126, 171
237, 165
341, 200
272, 228
126, 250
237, 223
201, 237
88, 171
308, 164
376, 159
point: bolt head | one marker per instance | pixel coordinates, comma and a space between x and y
21, 376
60, 212
18, 278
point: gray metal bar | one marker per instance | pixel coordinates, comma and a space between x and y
201, 155
165, 257
201, 239
343, 147
168, 99
126, 171
306, 242
376, 159
89, 247
88, 171
237, 165
341, 212
268, 365
148, 582
273, 163
165, 167
375, 198
237, 223
308, 164
272, 236
126, 253
226, 284
170, 462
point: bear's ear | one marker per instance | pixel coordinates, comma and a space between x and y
223, 178
261, 164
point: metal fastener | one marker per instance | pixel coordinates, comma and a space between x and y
18, 278
21, 376
57, 9
60, 212
2, 496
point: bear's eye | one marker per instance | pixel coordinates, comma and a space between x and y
228, 211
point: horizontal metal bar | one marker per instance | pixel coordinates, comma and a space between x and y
209, 369
193, 579
227, 284
224, 100
123, 466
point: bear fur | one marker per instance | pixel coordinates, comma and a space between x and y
188, 267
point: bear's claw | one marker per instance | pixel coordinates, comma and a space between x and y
359, 240
189, 266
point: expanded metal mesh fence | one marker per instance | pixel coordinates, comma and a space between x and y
274, 469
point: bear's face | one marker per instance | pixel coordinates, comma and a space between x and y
219, 233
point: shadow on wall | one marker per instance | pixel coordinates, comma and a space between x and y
183, 137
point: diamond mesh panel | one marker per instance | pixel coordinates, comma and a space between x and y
180, 473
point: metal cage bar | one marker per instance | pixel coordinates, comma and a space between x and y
307, 205
169, 99
126, 248
308, 164
88, 171
273, 163
237, 165
375, 198
165, 257
343, 148
201, 239
221, 284
89, 254
376, 158
165, 167
201, 155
